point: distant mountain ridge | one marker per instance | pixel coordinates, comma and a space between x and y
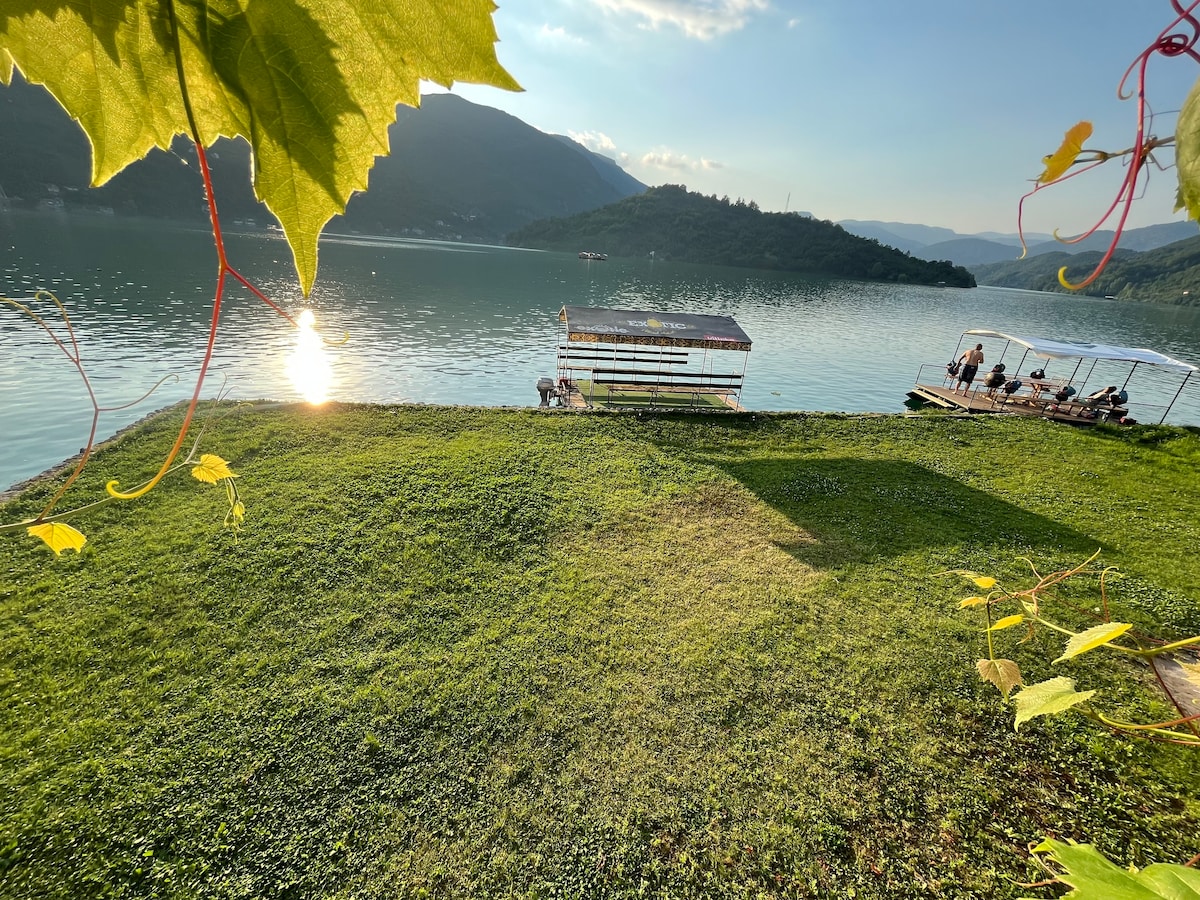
457, 170
931, 242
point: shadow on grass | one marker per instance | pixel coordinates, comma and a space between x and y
865, 510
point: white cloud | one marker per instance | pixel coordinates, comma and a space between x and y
668, 159
702, 19
558, 35
794, 23
596, 141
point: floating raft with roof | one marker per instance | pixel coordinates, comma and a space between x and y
1059, 395
630, 358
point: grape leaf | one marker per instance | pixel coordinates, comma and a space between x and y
1003, 673
211, 469
1187, 153
1061, 159
1093, 638
1047, 698
58, 536
1094, 877
311, 84
1008, 622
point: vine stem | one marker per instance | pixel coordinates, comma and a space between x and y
76, 359
224, 269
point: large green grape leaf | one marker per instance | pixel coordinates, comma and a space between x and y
1094, 877
311, 84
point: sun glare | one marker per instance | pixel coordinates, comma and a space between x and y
308, 367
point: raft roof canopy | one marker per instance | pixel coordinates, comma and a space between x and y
1051, 349
634, 326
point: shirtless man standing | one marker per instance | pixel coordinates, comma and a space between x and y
971, 361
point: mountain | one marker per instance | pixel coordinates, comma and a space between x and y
481, 172
1169, 274
669, 222
970, 251
990, 247
907, 237
457, 170
607, 168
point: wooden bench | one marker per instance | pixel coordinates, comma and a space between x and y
642, 381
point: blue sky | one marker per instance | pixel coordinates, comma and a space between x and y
929, 111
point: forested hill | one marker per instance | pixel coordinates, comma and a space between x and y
1170, 274
673, 223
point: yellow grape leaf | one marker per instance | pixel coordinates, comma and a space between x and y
1003, 673
58, 536
1187, 154
985, 582
1093, 638
972, 601
211, 469
1061, 159
1008, 622
1048, 698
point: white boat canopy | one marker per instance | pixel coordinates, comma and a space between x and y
1051, 349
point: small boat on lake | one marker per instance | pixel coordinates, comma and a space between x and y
591, 254
1018, 386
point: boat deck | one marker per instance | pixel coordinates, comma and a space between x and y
1019, 404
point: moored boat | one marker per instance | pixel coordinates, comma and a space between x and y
1027, 389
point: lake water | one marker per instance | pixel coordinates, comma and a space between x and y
463, 324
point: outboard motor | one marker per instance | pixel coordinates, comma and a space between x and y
545, 388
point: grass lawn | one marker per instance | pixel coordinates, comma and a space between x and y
498, 653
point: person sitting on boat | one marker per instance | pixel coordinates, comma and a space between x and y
994, 380
971, 361
1100, 397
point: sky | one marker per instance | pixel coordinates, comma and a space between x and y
935, 112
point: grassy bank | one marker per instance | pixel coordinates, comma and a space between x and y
484, 653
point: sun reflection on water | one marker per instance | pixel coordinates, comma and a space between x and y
308, 366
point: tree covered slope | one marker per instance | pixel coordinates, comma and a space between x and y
674, 223
1170, 274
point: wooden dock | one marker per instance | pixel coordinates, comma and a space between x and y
1018, 404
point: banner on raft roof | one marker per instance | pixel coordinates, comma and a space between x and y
635, 326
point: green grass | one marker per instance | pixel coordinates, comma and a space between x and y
485, 653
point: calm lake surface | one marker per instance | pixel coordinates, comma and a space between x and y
465, 324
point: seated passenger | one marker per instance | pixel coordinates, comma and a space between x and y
1099, 397
994, 380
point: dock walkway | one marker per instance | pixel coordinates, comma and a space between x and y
1043, 406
